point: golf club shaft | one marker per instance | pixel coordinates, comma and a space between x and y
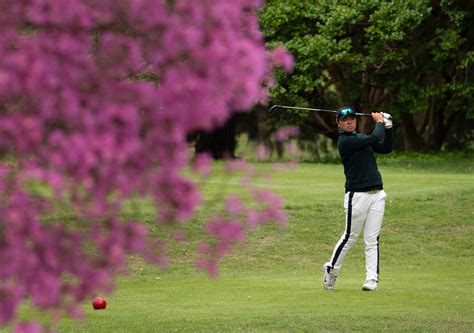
310, 109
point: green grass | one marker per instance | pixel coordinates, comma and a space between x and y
273, 284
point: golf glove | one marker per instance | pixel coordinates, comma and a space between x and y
387, 120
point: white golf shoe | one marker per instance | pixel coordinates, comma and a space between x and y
329, 280
370, 285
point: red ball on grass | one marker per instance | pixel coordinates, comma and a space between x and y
99, 303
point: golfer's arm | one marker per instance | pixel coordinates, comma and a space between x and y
386, 146
361, 141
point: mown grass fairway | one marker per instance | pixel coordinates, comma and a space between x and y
273, 284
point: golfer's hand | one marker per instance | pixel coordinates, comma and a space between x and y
387, 120
377, 117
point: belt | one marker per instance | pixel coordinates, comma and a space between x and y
373, 191
370, 190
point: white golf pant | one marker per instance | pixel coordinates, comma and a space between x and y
364, 211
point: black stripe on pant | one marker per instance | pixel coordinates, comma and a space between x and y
348, 232
378, 257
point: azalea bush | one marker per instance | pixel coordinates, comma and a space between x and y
96, 101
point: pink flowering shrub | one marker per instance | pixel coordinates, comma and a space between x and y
228, 226
96, 100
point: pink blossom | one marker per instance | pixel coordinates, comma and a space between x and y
291, 148
286, 132
180, 236
28, 327
281, 57
262, 152
203, 248
97, 102
225, 234
225, 230
202, 164
209, 266
234, 205
252, 219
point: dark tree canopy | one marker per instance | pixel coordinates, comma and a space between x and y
413, 59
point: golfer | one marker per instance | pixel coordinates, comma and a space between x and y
364, 201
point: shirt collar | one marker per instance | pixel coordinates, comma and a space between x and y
341, 132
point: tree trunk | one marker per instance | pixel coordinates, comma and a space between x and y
438, 124
411, 137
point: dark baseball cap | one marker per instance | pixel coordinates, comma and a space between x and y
344, 112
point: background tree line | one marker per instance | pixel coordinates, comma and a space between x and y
413, 59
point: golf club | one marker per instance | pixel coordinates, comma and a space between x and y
310, 109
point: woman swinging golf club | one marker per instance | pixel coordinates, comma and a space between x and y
364, 200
